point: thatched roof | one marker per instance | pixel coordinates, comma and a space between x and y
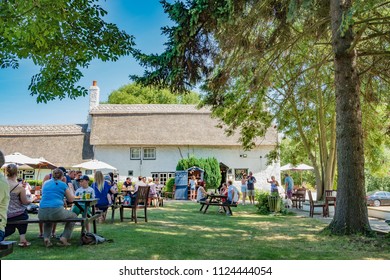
64, 145
161, 124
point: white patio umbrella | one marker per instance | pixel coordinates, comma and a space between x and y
288, 166
302, 167
94, 165
20, 159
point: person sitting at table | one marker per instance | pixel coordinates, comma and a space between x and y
202, 194
223, 191
103, 192
51, 207
17, 208
46, 178
84, 191
233, 196
152, 193
127, 185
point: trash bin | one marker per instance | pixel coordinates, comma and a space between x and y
274, 203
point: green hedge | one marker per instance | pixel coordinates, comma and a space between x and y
212, 172
376, 183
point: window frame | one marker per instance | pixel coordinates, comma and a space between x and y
131, 153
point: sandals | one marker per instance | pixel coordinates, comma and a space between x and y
63, 244
47, 243
24, 244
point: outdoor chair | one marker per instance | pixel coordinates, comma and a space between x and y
314, 205
141, 202
115, 205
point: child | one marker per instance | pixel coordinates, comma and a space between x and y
192, 185
88, 191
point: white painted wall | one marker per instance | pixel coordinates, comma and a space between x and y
168, 156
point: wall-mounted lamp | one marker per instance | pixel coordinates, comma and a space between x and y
243, 155
261, 156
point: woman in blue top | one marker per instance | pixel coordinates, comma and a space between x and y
103, 191
51, 207
274, 186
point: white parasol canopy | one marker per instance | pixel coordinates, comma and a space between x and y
288, 166
302, 167
20, 159
94, 165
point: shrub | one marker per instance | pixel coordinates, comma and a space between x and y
34, 182
262, 202
212, 172
169, 185
377, 183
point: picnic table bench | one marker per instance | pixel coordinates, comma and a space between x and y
216, 200
6, 248
84, 220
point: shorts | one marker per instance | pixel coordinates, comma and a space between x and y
243, 189
77, 210
289, 194
251, 192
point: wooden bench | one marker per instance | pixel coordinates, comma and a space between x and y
6, 248
224, 205
82, 221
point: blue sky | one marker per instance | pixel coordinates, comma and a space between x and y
142, 19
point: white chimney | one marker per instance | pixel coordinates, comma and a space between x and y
94, 93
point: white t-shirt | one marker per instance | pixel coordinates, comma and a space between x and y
232, 194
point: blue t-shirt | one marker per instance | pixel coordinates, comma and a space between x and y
232, 194
290, 183
251, 182
102, 195
53, 193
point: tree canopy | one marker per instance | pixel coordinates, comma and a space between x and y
258, 58
62, 37
138, 94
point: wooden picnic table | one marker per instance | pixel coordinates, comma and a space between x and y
216, 200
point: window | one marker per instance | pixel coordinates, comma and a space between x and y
88, 172
163, 176
238, 173
135, 153
149, 153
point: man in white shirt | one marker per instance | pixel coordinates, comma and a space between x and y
233, 195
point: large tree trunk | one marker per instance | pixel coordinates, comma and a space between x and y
351, 212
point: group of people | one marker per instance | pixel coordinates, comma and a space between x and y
59, 189
130, 189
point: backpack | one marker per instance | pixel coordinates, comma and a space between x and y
89, 238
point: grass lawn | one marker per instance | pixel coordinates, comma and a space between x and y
178, 231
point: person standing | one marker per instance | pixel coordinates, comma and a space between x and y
274, 186
244, 188
251, 180
4, 200
289, 184
192, 185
